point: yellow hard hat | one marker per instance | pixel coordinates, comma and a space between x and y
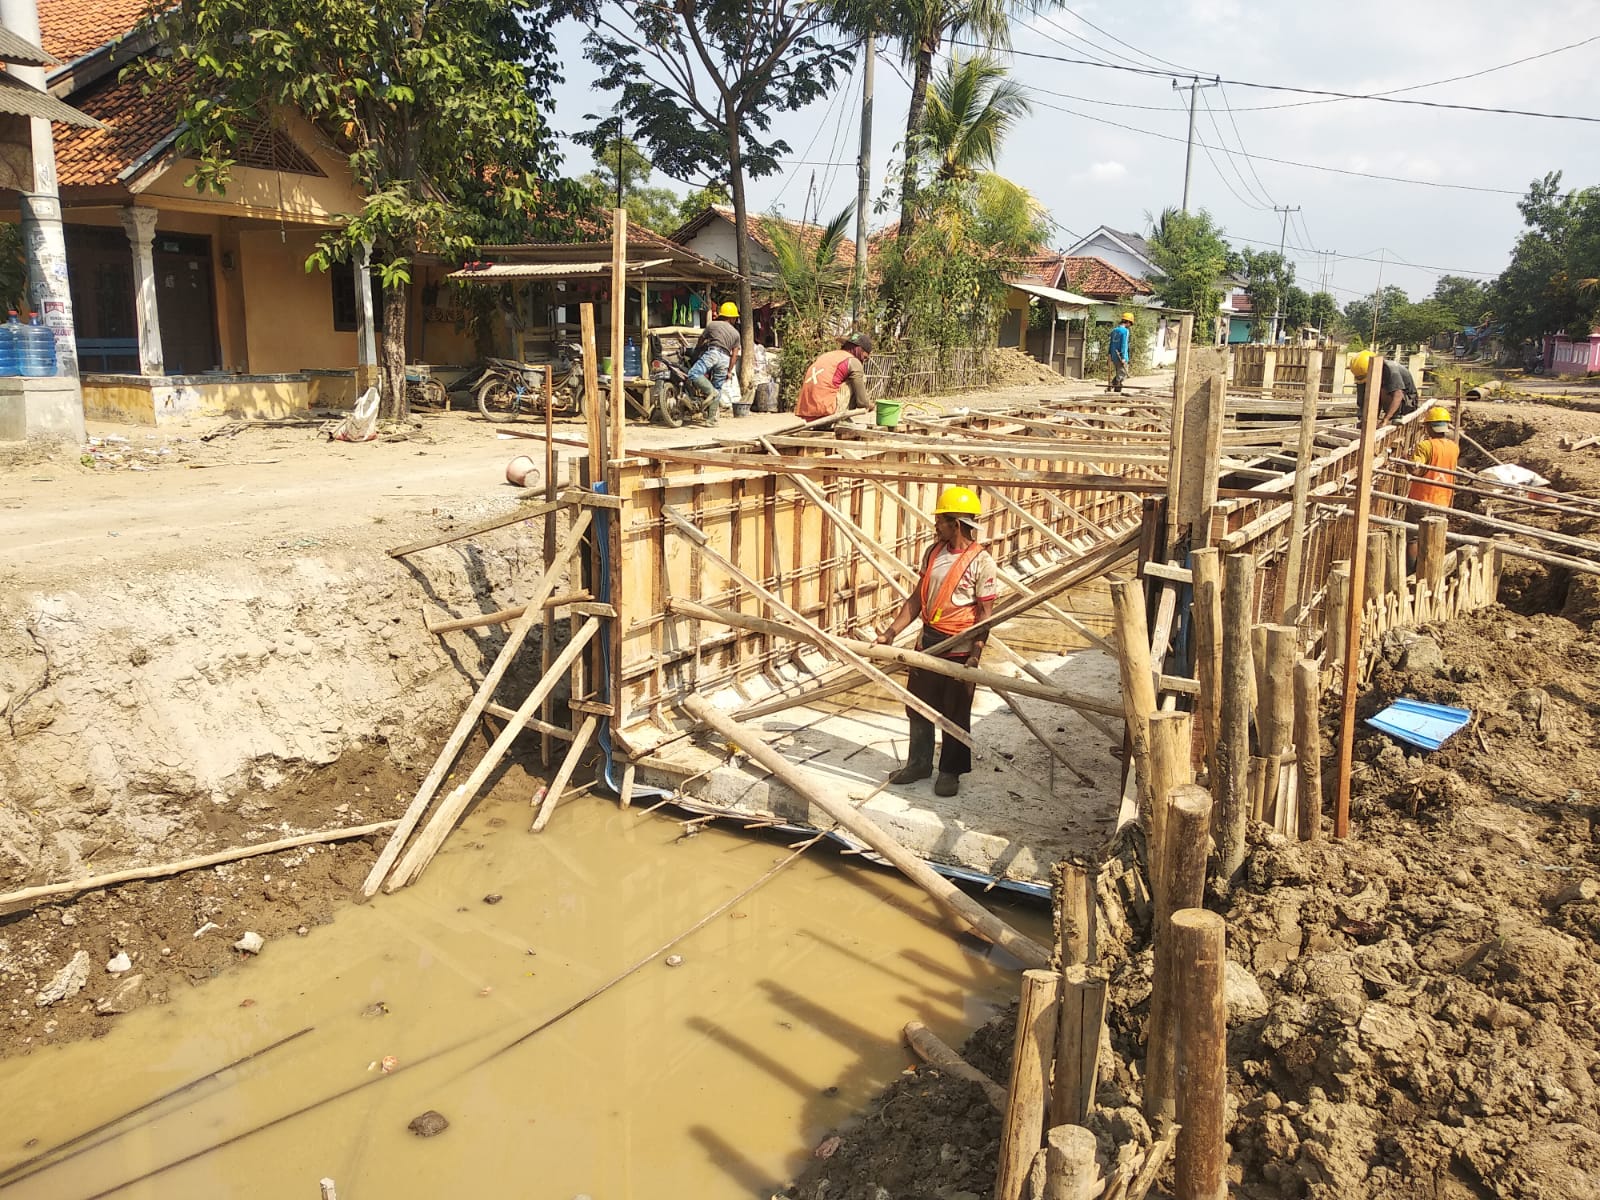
728, 309
959, 502
1438, 415
1127, 316
1361, 363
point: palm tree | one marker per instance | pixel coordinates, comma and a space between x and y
969, 111
807, 265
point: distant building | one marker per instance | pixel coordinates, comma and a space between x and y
1127, 252
1564, 356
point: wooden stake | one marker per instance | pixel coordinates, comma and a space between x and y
616, 442
932, 1050
551, 490
950, 898
27, 897
1207, 612
469, 719
627, 784
526, 513
1431, 549
450, 809
1075, 930
1071, 1171
1030, 1081
1233, 749
1199, 946
1171, 765
594, 423
1138, 681
1187, 847
1275, 724
1337, 617
1377, 577
1293, 584
1082, 1016
552, 794
1308, 747
1352, 643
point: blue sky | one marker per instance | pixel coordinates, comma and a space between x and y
1087, 172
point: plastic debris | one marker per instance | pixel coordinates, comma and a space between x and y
1418, 723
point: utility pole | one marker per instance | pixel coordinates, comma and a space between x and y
1283, 236
1188, 155
1377, 299
863, 181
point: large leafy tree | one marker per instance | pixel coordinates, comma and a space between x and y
1467, 300
1553, 281
621, 178
1376, 312
700, 81
439, 106
1268, 277
1192, 256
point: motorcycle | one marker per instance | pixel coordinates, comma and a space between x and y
673, 398
507, 389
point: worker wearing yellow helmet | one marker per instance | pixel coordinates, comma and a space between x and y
1397, 391
955, 594
1434, 458
716, 354
1119, 352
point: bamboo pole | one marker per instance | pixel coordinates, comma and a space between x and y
1308, 747
551, 490
898, 656
1200, 952
1293, 584
503, 616
526, 513
1081, 1017
1512, 549
469, 719
931, 1049
1206, 609
552, 794
1352, 643
594, 423
1185, 870
950, 898
1586, 545
1071, 1171
1023, 1131
1275, 720
1138, 682
1233, 748
450, 809
29, 896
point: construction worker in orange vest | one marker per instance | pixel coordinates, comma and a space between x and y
956, 591
831, 373
1436, 455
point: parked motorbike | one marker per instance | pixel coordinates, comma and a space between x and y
673, 397
507, 389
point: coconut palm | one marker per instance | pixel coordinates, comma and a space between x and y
807, 265
969, 111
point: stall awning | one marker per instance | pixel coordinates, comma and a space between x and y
21, 100
507, 272
1069, 305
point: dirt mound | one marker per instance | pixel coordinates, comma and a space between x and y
1010, 367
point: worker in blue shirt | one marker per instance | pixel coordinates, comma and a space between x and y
1119, 351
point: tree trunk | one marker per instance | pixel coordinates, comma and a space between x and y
741, 238
392, 354
919, 104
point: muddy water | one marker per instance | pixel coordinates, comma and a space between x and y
708, 1079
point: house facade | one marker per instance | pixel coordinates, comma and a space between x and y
1568, 356
1126, 252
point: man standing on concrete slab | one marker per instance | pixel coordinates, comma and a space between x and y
1119, 351
956, 591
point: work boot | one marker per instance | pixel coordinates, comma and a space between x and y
947, 784
919, 758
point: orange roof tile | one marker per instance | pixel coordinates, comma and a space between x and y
69, 29
1097, 278
134, 123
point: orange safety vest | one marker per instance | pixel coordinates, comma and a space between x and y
948, 619
819, 392
1436, 487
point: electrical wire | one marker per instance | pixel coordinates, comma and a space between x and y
1391, 259
1280, 87
802, 161
1259, 193
1107, 33
1289, 162
1222, 94
830, 175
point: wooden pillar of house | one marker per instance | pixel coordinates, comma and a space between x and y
366, 320
140, 226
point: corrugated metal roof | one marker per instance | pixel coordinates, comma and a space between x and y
1065, 301
501, 272
14, 48
17, 97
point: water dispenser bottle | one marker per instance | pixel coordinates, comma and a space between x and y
36, 349
632, 363
8, 346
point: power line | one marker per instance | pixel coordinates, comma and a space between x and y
1232, 162
1222, 94
1129, 45
1279, 87
1390, 259
1289, 162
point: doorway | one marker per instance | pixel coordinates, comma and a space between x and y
186, 302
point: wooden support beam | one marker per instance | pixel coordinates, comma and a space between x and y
1188, 843
616, 441
1206, 613
542, 591
1358, 570
1138, 683
526, 512
546, 805
533, 723
1293, 584
1023, 1130
1200, 956
1431, 549
955, 903
1233, 747
931, 1049
1075, 916
450, 809
1171, 766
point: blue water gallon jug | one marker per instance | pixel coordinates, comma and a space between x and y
8, 346
632, 363
36, 349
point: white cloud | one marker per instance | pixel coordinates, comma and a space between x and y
1103, 172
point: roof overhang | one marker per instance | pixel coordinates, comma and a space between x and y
14, 48
23, 100
1069, 305
508, 272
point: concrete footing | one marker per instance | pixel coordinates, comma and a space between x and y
50, 407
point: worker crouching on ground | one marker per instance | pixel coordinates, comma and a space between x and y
831, 373
1118, 351
955, 592
1397, 391
1431, 463
716, 353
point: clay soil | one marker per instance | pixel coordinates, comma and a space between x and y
1411, 1012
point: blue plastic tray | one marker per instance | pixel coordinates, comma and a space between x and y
1427, 726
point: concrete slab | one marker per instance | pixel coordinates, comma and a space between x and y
1002, 825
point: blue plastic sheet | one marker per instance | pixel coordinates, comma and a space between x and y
1418, 723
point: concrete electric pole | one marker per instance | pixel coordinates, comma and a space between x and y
863, 182
1194, 86
1283, 236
